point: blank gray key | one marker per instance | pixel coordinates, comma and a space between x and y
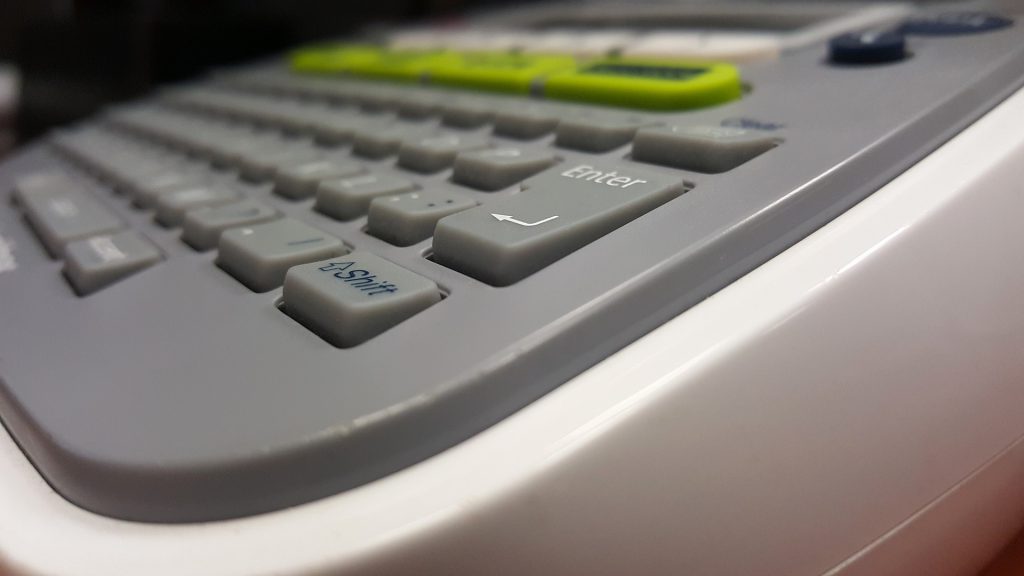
300, 179
435, 153
37, 183
597, 133
171, 207
145, 189
350, 299
558, 212
263, 163
62, 214
406, 219
340, 127
526, 122
348, 198
99, 261
379, 143
710, 149
468, 112
499, 168
259, 255
202, 227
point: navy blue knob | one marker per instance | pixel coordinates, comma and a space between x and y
954, 24
869, 47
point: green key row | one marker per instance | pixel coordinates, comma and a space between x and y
651, 84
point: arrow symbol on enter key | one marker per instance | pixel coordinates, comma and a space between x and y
507, 218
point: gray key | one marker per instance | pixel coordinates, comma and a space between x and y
263, 163
499, 168
348, 198
526, 122
146, 189
171, 207
468, 113
202, 227
66, 213
417, 106
435, 153
350, 299
259, 255
39, 183
557, 212
406, 219
379, 143
340, 127
229, 149
99, 261
597, 133
300, 179
710, 149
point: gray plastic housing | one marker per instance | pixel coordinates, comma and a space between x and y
179, 395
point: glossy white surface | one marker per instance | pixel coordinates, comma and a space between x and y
779, 427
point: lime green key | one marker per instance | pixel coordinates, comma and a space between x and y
652, 84
332, 58
402, 64
499, 71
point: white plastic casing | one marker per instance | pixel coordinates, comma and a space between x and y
854, 406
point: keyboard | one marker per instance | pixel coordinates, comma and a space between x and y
295, 279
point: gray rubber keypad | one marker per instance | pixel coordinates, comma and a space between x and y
558, 211
220, 400
355, 297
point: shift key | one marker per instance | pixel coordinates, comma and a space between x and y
557, 212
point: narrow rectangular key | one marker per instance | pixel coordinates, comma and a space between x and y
259, 255
435, 153
350, 299
171, 207
340, 127
406, 219
526, 122
37, 183
468, 112
557, 212
300, 179
264, 163
99, 261
348, 198
709, 149
144, 190
66, 213
500, 167
380, 143
598, 133
202, 227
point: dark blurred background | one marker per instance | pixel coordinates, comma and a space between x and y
64, 59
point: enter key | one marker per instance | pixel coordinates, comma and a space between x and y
556, 213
